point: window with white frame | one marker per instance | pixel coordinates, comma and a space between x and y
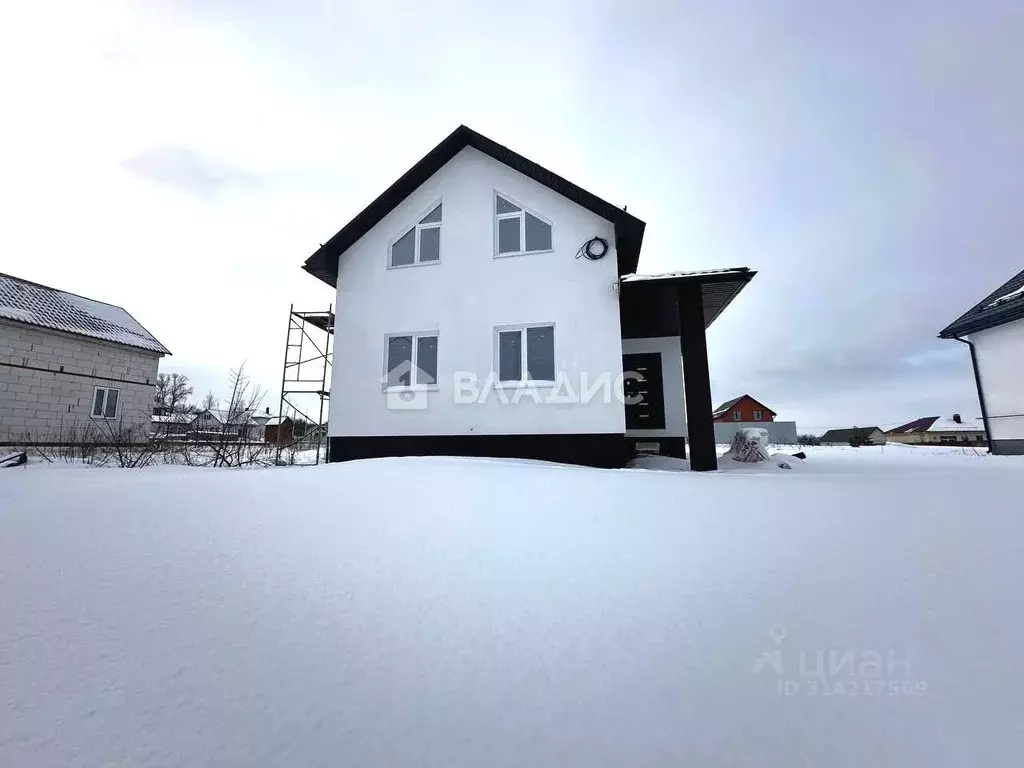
737, 415
104, 403
518, 231
758, 415
526, 354
421, 244
410, 360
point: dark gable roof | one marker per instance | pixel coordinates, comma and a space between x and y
917, 425
990, 311
730, 403
843, 435
629, 230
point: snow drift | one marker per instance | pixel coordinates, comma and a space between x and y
436, 612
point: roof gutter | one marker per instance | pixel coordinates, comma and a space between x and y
981, 392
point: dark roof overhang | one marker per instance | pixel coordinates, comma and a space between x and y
990, 311
648, 304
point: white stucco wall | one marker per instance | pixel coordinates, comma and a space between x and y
48, 379
672, 378
1000, 355
464, 297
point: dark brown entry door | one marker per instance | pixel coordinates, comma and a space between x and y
645, 399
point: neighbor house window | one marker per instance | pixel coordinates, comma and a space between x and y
104, 403
518, 231
948, 438
737, 415
421, 244
757, 415
526, 354
410, 360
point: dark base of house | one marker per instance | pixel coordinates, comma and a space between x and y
602, 450
1008, 447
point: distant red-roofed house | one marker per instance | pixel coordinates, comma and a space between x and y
743, 408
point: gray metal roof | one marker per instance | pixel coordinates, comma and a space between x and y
33, 304
1005, 304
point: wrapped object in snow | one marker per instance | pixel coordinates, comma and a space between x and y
749, 445
13, 460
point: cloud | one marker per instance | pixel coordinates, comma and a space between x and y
863, 159
190, 171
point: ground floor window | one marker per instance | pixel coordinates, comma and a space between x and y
104, 403
526, 354
410, 360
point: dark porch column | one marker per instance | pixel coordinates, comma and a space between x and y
700, 427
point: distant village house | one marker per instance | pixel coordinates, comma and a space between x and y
938, 430
743, 412
854, 436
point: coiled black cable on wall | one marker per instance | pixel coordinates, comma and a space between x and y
595, 248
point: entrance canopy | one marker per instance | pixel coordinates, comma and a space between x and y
649, 304
684, 304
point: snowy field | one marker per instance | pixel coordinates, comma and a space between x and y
864, 608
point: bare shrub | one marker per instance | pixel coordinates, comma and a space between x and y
97, 443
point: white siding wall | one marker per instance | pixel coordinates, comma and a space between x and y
1000, 353
464, 297
36, 397
672, 376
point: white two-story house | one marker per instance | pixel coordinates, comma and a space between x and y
488, 307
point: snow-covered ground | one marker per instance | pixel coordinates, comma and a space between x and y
864, 608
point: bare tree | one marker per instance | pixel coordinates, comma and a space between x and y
208, 402
173, 391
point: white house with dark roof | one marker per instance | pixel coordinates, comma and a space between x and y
483, 302
994, 330
931, 430
68, 361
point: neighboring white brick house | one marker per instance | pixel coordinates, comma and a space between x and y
66, 360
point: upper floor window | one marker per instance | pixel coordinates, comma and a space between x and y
421, 244
737, 415
757, 415
517, 230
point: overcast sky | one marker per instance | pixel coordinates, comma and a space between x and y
184, 159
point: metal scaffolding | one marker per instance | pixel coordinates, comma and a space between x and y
307, 373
